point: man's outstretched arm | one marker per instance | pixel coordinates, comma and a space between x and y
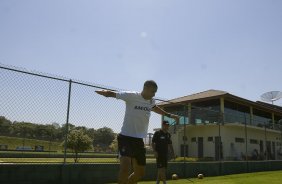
160, 111
107, 93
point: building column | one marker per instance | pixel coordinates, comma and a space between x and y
252, 115
190, 113
273, 120
222, 109
221, 104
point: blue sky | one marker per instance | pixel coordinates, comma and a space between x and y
187, 46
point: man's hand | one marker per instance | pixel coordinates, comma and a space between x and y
160, 111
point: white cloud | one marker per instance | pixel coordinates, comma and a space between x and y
143, 34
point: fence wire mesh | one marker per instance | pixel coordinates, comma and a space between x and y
50, 119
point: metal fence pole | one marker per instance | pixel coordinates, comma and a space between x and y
185, 143
221, 119
265, 145
246, 142
67, 122
280, 151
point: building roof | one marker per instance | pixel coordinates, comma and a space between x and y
270, 105
215, 94
197, 96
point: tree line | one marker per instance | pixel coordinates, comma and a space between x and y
102, 137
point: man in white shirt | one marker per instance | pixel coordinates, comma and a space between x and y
135, 128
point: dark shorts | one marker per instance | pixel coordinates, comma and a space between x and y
132, 147
162, 161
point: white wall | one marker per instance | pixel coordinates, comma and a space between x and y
204, 131
229, 132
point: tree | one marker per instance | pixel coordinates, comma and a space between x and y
5, 125
103, 137
42, 132
114, 145
23, 129
78, 141
66, 131
91, 132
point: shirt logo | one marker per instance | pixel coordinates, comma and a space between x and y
142, 108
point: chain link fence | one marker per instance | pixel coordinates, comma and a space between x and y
42, 115
43, 118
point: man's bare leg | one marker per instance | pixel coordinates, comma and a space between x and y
161, 175
125, 163
138, 172
158, 177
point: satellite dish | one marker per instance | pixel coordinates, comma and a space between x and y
271, 96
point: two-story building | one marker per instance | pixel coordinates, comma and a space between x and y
221, 126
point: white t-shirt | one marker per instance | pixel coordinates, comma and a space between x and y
137, 114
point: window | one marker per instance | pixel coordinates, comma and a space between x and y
193, 139
210, 139
240, 140
253, 141
262, 118
205, 112
236, 113
277, 119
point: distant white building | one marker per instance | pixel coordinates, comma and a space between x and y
219, 125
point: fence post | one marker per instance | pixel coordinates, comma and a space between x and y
67, 121
265, 140
246, 142
220, 121
185, 142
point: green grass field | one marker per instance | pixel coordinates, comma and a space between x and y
273, 177
61, 153
57, 160
13, 142
56, 156
60, 160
